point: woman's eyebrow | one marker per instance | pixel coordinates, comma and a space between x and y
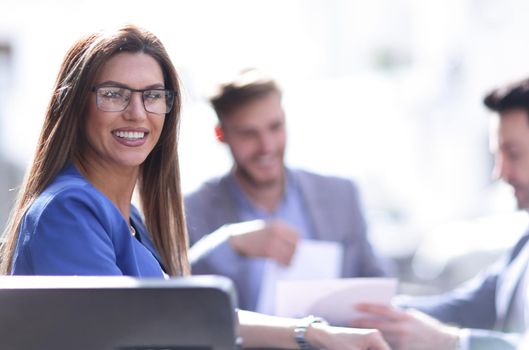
121, 85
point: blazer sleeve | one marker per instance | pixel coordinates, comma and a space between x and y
473, 305
477, 339
69, 234
210, 251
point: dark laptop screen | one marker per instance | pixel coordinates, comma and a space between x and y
117, 313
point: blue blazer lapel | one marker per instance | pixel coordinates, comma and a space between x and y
145, 237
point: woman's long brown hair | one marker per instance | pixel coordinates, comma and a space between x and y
62, 141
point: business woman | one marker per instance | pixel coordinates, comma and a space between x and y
111, 126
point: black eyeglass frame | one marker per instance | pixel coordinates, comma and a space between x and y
172, 96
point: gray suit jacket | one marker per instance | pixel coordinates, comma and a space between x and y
484, 304
334, 210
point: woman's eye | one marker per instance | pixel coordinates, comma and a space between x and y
153, 95
111, 94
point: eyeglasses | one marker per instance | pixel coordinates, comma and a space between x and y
117, 98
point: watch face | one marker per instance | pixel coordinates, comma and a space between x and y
301, 329
299, 335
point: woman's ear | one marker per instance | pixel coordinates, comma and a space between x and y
219, 134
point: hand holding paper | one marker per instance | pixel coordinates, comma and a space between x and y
303, 266
332, 299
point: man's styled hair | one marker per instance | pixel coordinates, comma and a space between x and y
510, 96
249, 85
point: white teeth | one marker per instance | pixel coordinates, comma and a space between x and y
131, 135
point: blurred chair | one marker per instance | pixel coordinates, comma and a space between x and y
456, 252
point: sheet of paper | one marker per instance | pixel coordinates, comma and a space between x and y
332, 299
312, 260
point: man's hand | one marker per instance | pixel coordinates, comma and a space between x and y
407, 329
274, 240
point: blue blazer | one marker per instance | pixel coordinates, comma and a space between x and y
73, 229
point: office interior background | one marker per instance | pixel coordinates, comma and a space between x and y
385, 92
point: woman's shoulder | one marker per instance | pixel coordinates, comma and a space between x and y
71, 191
69, 179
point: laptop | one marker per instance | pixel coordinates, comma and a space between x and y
117, 313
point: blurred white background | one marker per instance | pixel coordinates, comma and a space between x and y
387, 92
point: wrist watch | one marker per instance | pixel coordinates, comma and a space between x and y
301, 330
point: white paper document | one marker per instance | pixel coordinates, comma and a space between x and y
332, 299
312, 260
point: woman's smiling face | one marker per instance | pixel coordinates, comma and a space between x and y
127, 137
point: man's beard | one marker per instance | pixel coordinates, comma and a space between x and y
248, 177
